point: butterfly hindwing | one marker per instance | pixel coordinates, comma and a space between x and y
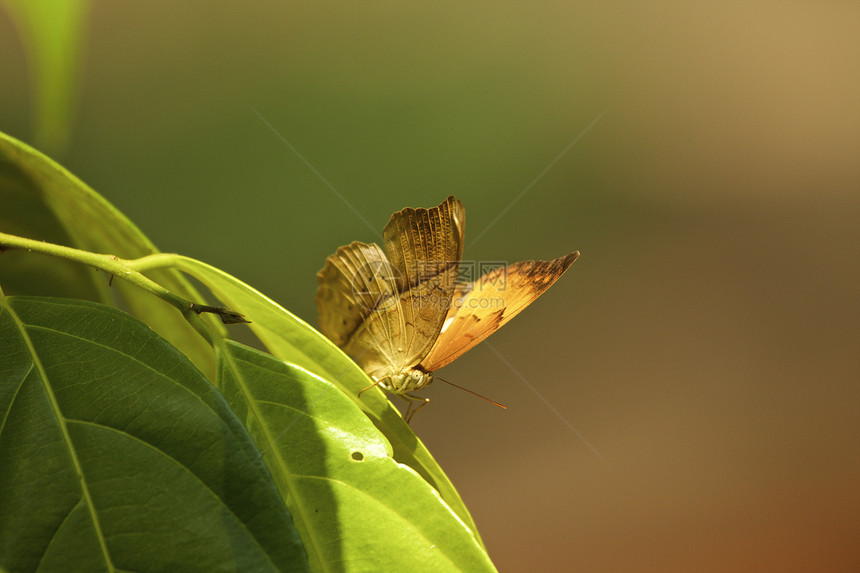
355, 280
483, 306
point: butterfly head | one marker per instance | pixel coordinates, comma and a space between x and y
406, 381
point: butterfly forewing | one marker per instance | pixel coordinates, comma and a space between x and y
421, 243
424, 246
480, 308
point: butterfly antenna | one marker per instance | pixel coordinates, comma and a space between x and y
502, 406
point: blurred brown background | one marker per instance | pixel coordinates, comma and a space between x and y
705, 344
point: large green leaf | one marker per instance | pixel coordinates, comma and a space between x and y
41, 200
291, 339
117, 454
356, 507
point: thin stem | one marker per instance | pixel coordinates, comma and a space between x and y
153, 262
129, 270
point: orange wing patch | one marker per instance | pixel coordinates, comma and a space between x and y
482, 307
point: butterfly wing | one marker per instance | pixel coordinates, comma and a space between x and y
482, 307
422, 243
386, 308
424, 247
354, 280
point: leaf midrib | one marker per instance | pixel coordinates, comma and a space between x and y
271, 442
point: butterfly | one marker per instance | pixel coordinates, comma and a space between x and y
399, 310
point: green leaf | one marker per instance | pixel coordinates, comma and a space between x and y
117, 453
355, 506
42, 200
291, 339
51, 33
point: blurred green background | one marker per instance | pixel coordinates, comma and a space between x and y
706, 342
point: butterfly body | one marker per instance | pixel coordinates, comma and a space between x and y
407, 381
399, 310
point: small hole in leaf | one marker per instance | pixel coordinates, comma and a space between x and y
357, 456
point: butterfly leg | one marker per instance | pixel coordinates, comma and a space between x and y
369, 387
412, 408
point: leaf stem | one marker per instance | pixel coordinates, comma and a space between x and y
127, 269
